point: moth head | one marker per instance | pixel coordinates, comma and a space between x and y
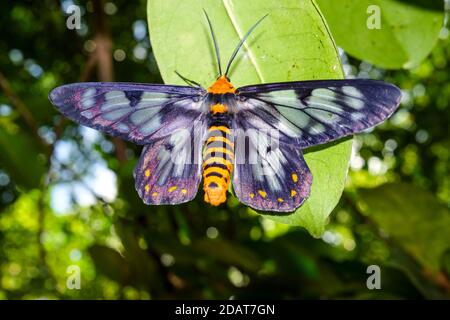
223, 76
222, 86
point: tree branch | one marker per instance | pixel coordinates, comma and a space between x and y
105, 63
23, 110
88, 67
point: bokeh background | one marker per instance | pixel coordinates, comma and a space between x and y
67, 194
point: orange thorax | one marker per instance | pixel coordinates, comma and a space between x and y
221, 86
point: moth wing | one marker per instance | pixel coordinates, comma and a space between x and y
269, 176
308, 113
169, 169
135, 112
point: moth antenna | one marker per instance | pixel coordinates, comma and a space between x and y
216, 47
188, 81
241, 43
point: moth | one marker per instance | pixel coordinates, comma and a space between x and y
252, 136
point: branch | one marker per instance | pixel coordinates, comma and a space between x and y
105, 63
88, 67
23, 110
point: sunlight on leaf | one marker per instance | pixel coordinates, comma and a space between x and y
403, 36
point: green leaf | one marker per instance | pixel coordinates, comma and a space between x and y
229, 252
406, 264
110, 263
408, 29
142, 264
412, 217
20, 157
292, 43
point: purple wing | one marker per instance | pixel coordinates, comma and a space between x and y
169, 169
135, 112
268, 175
308, 113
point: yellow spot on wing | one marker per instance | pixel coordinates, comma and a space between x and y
293, 193
280, 200
183, 191
172, 189
262, 193
147, 188
294, 177
154, 194
252, 195
147, 173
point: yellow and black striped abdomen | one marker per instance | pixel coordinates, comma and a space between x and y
218, 159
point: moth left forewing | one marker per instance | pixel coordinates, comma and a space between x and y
133, 112
269, 176
313, 112
169, 169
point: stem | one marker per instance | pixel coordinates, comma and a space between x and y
23, 110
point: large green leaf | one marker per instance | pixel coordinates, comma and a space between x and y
293, 43
413, 217
408, 29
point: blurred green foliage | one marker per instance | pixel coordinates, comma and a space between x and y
53, 214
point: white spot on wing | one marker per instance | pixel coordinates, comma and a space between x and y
87, 114
122, 127
354, 102
110, 95
87, 99
324, 93
154, 95
87, 103
352, 91
150, 126
115, 100
323, 104
292, 118
89, 93
115, 114
152, 99
283, 97
164, 165
316, 128
143, 115
357, 116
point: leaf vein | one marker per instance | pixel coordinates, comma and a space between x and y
228, 8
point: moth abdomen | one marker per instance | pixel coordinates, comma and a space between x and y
218, 156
